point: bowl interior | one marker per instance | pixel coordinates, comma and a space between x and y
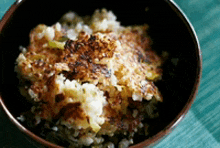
168, 30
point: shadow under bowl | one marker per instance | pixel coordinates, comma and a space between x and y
169, 29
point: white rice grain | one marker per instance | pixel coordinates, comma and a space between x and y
49, 33
58, 27
124, 143
72, 34
21, 118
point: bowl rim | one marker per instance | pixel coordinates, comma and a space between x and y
160, 135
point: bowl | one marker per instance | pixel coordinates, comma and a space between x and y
169, 29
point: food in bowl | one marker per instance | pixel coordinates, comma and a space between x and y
91, 81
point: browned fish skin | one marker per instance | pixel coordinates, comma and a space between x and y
81, 55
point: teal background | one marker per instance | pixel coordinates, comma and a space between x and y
201, 126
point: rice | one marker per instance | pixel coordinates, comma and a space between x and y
91, 80
89, 98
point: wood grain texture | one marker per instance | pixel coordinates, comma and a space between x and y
201, 126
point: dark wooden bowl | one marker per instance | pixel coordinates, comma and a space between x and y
169, 29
